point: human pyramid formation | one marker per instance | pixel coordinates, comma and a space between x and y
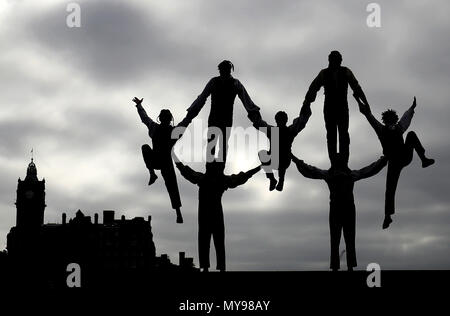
335, 79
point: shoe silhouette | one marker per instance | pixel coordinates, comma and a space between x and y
280, 186
272, 184
387, 221
427, 162
179, 216
153, 178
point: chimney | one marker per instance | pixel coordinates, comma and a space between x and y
96, 218
64, 218
122, 218
108, 217
149, 220
182, 256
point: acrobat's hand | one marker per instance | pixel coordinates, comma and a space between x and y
414, 103
137, 101
363, 108
175, 157
294, 158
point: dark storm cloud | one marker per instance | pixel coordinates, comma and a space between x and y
117, 42
66, 91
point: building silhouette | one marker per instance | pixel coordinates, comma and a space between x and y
116, 248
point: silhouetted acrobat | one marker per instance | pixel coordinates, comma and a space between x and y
399, 152
223, 90
286, 136
335, 80
159, 157
212, 184
340, 180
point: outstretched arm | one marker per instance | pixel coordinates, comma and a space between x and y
198, 104
364, 108
189, 174
143, 115
315, 86
259, 123
357, 90
245, 98
235, 180
405, 121
370, 170
309, 171
300, 122
188, 118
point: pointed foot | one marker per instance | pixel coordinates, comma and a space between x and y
273, 184
387, 222
153, 178
427, 162
280, 186
179, 216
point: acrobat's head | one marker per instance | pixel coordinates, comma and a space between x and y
281, 118
389, 118
165, 117
215, 168
225, 68
335, 59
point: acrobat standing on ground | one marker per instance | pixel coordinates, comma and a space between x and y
341, 180
159, 157
399, 152
211, 186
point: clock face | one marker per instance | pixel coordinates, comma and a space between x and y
29, 194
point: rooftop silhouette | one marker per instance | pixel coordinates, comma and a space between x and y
117, 247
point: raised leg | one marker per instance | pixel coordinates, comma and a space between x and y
412, 143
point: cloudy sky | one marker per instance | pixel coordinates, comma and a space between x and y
66, 92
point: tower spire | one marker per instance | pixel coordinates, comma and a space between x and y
31, 170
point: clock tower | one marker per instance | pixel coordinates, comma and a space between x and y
30, 202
